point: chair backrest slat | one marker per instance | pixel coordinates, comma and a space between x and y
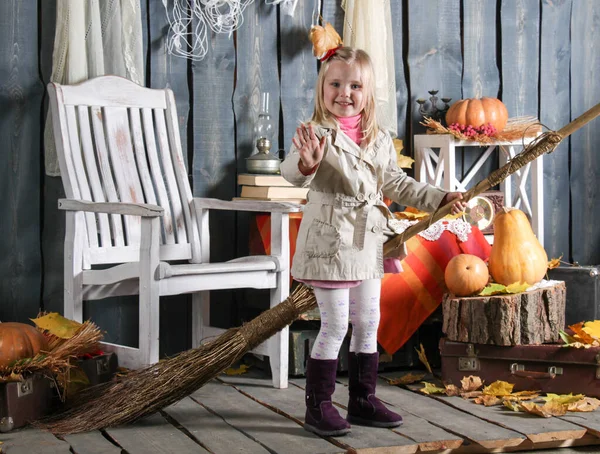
120, 149
169, 176
157, 176
119, 142
81, 175
108, 183
92, 173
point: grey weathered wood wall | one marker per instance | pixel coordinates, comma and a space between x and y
540, 57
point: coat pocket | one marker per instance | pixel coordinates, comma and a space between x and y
322, 240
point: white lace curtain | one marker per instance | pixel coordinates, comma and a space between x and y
93, 38
368, 26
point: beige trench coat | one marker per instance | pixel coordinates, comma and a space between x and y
344, 223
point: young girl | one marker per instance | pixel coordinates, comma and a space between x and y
349, 164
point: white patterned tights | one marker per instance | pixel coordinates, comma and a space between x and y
360, 305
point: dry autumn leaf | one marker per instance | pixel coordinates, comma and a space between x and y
423, 358
57, 325
514, 406
499, 388
580, 334
592, 328
487, 400
403, 161
584, 405
239, 371
452, 390
430, 388
471, 383
547, 410
563, 398
323, 39
471, 394
406, 379
554, 263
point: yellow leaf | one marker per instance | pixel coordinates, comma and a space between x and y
554, 263
57, 325
592, 328
514, 406
430, 388
498, 388
584, 405
405, 162
406, 379
493, 289
471, 383
517, 287
563, 398
411, 216
239, 371
423, 358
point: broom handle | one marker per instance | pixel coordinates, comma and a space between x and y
495, 177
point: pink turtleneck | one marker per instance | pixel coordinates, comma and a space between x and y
351, 127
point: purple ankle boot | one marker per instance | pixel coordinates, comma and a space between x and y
363, 407
321, 416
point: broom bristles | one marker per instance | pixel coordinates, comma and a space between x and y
148, 390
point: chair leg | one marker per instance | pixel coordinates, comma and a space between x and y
279, 343
200, 316
73, 266
149, 302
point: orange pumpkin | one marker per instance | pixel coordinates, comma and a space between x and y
478, 112
18, 341
466, 275
517, 256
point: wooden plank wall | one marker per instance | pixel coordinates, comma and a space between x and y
540, 57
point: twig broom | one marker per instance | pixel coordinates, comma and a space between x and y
147, 390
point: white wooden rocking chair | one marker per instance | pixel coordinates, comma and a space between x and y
129, 204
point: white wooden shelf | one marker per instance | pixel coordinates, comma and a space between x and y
439, 169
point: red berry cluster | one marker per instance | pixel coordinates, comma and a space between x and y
472, 131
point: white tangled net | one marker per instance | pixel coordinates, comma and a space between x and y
189, 21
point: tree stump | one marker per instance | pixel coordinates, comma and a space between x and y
533, 317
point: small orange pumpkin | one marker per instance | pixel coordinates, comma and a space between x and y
478, 112
466, 275
18, 341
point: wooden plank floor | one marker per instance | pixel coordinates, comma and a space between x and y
244, 414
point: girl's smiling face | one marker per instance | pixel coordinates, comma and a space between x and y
343, 89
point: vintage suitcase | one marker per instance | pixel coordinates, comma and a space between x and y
550, 368
26, 401
583, 292
101, 368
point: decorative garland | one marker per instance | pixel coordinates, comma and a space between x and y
516, 128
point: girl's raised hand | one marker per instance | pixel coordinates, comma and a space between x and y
309, 146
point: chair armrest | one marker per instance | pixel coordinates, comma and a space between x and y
247, 205
135, 209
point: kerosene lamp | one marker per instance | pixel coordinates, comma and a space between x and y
262, 161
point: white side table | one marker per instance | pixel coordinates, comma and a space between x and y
439, 169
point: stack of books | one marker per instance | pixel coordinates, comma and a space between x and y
269, 187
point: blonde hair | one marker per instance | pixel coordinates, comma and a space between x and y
350, 56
